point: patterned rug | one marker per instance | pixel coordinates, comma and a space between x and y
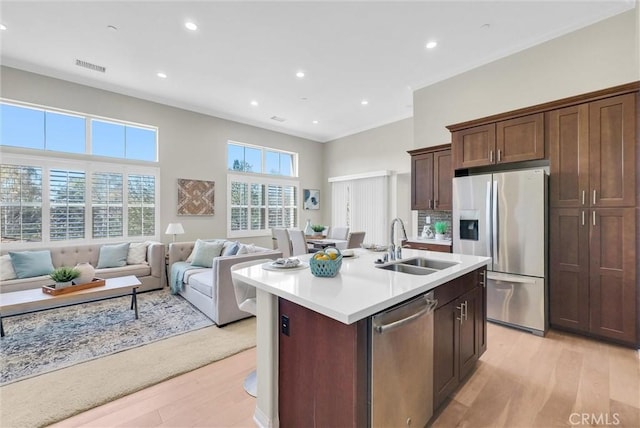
45, 341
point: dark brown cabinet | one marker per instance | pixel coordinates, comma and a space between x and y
592, 219
427, 246
431, 175
459, 332
592, 154
512, 140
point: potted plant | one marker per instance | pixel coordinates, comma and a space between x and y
317, 229
64, 275
441, 228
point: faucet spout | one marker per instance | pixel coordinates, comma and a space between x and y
395, 252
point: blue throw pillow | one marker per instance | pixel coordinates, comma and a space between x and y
205, 252
28, 264
232, 249
113, 255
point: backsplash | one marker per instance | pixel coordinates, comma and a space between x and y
435, 216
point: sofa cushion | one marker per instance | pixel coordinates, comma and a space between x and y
231, 249
138, 270
28, 264
137, 253
190, 272
198, 243
6, 268
113, 255
205, 252
203, 282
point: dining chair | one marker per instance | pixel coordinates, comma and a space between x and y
298, 242
355, 239
282, 239
339, 232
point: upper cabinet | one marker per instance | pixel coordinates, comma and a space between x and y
512, 140
431, 175
592, 153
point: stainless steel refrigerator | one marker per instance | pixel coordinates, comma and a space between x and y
504, 216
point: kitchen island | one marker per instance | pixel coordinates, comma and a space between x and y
341, 307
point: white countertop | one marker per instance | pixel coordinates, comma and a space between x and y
360, 289
446, 242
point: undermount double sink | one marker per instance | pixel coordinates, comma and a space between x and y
417, 266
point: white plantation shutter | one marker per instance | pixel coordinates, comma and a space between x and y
66, 201
141, 205
362, 203
20, 203
107, 205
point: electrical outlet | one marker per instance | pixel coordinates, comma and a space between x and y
427, 219
284, 322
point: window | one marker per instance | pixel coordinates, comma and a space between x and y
46, 129
84, 200
257, 200
257, 204
259, 160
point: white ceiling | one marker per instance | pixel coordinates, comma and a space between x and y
244, 51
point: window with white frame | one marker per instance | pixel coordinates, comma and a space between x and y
40, 128
44, 199
258, 199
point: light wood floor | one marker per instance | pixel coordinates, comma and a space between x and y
521, 381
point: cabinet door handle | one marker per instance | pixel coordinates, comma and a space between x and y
583, 218
499, 155
461, 309
583, 196
594, 217
594, 196
491, 156
466, 312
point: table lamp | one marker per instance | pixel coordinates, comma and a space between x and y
174, 229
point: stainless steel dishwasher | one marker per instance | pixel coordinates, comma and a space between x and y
401, 364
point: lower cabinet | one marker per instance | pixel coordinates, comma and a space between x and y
460, 336
593, 272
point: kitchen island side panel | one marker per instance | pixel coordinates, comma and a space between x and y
323, 370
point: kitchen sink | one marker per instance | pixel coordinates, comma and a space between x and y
413, 270
428, 263
417, 266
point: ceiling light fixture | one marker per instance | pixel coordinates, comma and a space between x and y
432, 45
190, 26
254, 103
3, 27
161, 75
112, 28
300, 74
364, 102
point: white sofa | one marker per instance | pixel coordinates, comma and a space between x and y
211, 289
151, 273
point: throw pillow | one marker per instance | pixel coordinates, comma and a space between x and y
137, 253
231, 250
195, 247
6, 268
28, 264
205, 252
113, 255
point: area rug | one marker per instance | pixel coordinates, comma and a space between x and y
44, 341
55, 396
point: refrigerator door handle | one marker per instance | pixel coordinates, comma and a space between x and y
495, 237
488, 220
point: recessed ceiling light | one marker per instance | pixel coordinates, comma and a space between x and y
300, 74
254, 103
3, 27
364, 102
432, 45
315, 122
161, 75
191, 26
485, 26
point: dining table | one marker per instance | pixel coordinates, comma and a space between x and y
321, 244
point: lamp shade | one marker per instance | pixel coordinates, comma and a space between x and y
174, 229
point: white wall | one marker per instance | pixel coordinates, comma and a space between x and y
191, 145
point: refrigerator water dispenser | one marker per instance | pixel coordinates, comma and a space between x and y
469, 229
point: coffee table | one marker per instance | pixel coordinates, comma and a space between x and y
19, 302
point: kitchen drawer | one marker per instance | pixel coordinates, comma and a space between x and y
456, 288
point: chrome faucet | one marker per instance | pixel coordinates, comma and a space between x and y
395, 253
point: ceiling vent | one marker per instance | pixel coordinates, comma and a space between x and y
278, 119
90, 66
